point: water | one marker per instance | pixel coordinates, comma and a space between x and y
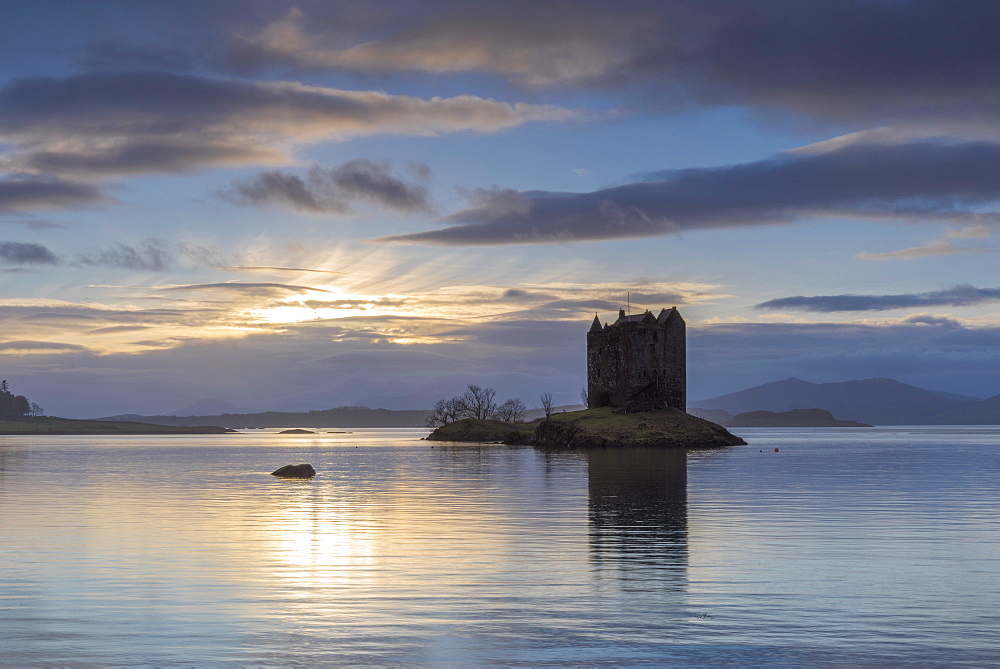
872, 546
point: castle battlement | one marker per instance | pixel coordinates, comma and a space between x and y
638, 362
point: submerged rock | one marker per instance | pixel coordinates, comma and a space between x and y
300, 471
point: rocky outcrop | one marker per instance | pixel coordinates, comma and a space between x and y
603, 428
297, 430
300, 471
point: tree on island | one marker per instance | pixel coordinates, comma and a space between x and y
547, 404
11, 405
476, 402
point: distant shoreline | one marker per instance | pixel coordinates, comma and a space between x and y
70, 426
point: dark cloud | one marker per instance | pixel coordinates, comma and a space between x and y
101, 124
883, 61
917, 181
29, 192
887, 61
959, 296
27, 254
332, 190
139, 157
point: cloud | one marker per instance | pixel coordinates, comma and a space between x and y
531, 43
267, 268
33, 223
245, 288
959, 296
846, 62
331, 191
150, 256
104, 124
919, 181
27, 192
940, 247
27, 254
38, 347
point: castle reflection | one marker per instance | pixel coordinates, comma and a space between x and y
638, 514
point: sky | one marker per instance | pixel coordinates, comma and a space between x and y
303, 205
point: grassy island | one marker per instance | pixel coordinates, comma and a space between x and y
47, 425
596, 428
603, 428
479, 430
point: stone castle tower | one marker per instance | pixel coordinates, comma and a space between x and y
638, 362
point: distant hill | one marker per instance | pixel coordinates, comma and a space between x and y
793, 418
339, 417
209, 407
875, 401
984, 412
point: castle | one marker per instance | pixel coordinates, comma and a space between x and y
638, 362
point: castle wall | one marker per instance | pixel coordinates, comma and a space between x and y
638, 365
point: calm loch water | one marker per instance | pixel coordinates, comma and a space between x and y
873, 546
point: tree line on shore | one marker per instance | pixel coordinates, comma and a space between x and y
16, 406
477, 402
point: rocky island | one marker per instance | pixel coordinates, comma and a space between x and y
596, 428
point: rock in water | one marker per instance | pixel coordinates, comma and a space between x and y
301, 471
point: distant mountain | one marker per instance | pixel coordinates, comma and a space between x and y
207, 407
339, 417
875, 401
984, 412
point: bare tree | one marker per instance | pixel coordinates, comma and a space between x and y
480, 402
511, 411
36, 410
446, 411
547, 403
583, 396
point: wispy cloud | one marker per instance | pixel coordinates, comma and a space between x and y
149, 256
956, 297
245, 288
266, 268
27, 254
940, 247
333, 190
36, 347
32, 223
920, 181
